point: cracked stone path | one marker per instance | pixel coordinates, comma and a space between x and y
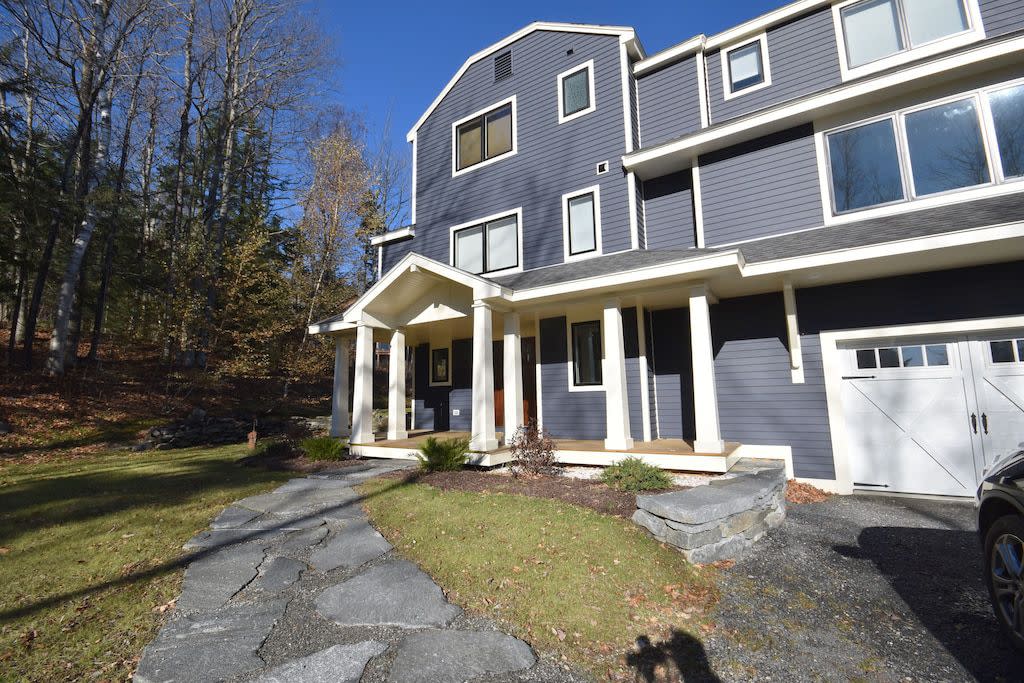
296, 585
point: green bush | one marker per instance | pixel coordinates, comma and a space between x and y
276, 449
443, 455
633, 474
323, 448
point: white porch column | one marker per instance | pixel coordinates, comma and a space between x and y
705, 400
512, 357
396, 387
614, 370
483, 437
362, 391
339, 397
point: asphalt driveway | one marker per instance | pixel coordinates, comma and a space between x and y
861, 588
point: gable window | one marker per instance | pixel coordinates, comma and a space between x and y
576, 92
586, 353
581, 223
745, 67
484, 137
930, 150
440, 371
487, 247
875, 30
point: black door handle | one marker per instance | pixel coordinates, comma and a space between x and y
984, 422
974, 423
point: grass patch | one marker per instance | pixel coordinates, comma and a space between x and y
567, 579
89, 547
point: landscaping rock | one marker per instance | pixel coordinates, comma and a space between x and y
356, 544
278, 573
338, 664
209, 647
455, 656
212, 580
395, 593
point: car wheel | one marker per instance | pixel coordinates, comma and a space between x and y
1004, 575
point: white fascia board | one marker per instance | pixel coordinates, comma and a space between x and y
335, 326
877, 88
625, 33
669, 55
400, 234
763, 22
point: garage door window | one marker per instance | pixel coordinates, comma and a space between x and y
912, 356
1007, 351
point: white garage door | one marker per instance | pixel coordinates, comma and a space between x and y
929, 415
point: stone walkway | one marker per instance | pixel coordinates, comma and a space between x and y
296, 585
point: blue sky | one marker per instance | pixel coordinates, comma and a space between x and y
396, 55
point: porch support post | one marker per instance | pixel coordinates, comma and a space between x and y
645, 388
616, 400
705, 399
483, 437
396, 387
339, 397
513, 375
362, 391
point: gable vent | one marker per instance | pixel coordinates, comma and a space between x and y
502, 66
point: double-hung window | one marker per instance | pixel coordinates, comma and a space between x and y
485, 137
488, 246
875, 30
586, 353
745, 68
576, 92
968, 141
581, 223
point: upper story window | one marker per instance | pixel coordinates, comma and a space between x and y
484, 137
487, 246
968, 141
745, 67
581, 223
576, 92
876, 34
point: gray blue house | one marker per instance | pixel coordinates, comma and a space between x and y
801, 238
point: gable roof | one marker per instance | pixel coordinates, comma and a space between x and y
625, 33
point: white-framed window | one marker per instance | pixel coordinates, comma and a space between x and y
576, 92
440, 366
585, 347
1006, 351
874, 35
489, 245
581, 223
745, 67
971, 142
484, 137
903, 356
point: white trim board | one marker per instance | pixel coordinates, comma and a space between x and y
670, 55
592, 94
766, 70
394, 235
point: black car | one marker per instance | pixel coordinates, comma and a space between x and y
1001, 527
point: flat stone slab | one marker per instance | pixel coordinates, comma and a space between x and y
394, 593
455, 656
717, 500
300, 499
278, 573
212, 580
337, 664
356, 544
209, 647
297, 541
233, 517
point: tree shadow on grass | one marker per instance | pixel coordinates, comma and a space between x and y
185, 559
682, 650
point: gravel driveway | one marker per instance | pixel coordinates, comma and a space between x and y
860, 588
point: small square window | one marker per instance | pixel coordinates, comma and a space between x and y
866, 359
937, 354
576, 92
439, 370
1002, 351
586, 353
889, 358
746, 68
912, 356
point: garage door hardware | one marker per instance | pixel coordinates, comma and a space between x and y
879, 486
858, 377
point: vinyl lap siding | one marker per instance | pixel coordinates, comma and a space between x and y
669, 102
552, 158
669, 357
631, 340
1002, 16
668, 209
802, 56
760, 188
461, 395
395, 252
566, 414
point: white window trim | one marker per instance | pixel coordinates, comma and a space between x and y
456, 171
430, 365
974, 33
762, 41
518, 213
598, 245
589, 66
997, 186
594, 316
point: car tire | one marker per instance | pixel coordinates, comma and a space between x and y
1004, 557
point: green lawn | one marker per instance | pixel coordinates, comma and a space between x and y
569, 580
89, 547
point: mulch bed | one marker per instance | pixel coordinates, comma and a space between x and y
799, 493
582, 492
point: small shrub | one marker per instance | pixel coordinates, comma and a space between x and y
323, 448
380, 420
443, 455
533, 451
633, 474
276, 449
